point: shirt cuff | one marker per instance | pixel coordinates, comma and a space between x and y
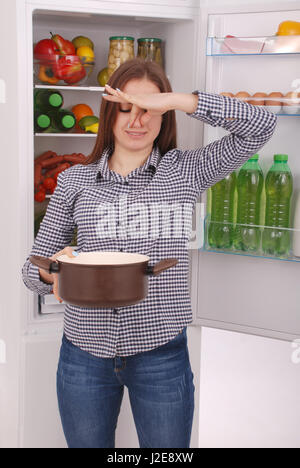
214, 109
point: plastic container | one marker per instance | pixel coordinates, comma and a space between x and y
221, 230
121, 49
58, 70
150, 48
249, 187
279, 188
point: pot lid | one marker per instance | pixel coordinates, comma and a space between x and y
104, 258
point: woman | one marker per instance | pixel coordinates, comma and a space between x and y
119, 200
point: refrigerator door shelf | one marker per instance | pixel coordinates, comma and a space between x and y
278, 239
273, 45
49, 305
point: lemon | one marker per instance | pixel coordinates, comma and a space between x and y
103, 77
86, 54
92, 128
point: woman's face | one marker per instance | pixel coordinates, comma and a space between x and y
138, 137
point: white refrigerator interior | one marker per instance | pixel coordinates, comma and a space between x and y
31, 327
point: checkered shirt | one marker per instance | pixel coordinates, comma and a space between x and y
175, 179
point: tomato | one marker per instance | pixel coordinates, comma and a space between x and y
45, 50
49, 183
40, 196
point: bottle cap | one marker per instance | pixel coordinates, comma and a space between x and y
55, 100
254, 157
68, 121
43, 121
281, 157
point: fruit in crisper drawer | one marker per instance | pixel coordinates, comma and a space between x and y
288, 28
86, 54
103, 77
243, 95
273, 102
89, 124
81, 41
257, 101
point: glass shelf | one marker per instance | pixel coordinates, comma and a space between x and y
247, 240
67, 135
72, 88
273, 45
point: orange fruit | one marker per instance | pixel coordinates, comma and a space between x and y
82, 110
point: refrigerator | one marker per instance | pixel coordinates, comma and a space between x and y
256, 297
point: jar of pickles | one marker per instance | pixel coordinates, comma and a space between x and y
121, 49
149, 48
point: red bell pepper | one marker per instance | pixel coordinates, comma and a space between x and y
76, 77
69, 67
65, 47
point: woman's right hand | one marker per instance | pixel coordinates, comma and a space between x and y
52, 278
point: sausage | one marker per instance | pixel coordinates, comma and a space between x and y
74, 158
51, 161
59, 168
37, 175
44, 156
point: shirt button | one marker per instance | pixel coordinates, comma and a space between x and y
121, 250
126, 183
208, 113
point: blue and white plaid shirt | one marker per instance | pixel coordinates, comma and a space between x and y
103, 205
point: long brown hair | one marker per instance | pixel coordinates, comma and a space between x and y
134, 69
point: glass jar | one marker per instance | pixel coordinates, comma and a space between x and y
121, 49
149, 48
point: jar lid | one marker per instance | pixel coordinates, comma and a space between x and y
281, 157
56, 100
149, 39
68, 121
121, 38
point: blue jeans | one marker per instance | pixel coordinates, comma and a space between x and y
160, 386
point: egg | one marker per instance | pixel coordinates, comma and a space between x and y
243, 95
293, 99
258, 102
227, 94
274, 102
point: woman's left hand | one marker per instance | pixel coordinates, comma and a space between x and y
151, 104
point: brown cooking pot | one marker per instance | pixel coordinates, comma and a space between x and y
103, 279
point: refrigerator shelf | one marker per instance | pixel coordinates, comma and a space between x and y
72, 88
67, 135
280, 238
273, 45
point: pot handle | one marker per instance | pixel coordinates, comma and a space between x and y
161, 266
45, 263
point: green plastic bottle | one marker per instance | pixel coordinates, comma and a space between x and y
249, 187
47, 100
221, 229
279, 188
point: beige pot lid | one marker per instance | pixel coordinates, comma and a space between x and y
104, 258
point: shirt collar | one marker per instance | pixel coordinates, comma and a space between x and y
102, 167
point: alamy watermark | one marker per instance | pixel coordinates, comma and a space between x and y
2, 352
295, 357
149, 221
